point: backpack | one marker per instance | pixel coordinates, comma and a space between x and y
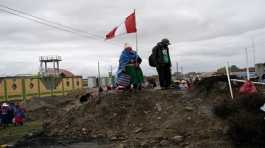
152, 60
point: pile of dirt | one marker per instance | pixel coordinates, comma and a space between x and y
245, 119
145, 119
77, 93
213, 86
41, 108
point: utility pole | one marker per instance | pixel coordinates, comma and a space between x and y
111, 70
177, 69
99, 81
181, 68
254, 52
247, 68
110, 75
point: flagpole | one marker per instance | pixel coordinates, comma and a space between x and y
136, 34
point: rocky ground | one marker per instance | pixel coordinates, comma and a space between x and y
150, 118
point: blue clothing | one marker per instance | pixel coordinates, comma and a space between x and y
4, 116
19, 112
125, 58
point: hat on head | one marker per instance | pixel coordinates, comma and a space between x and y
165, 41
126, 45
5, 104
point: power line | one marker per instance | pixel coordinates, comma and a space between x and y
43, 23
51, 22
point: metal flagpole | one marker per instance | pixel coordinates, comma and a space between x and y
136, 34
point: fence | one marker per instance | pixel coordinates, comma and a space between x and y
21, 88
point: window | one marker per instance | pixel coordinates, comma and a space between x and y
14, 80
77, 83
67, 83
14, 86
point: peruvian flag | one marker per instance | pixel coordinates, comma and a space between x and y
128, 26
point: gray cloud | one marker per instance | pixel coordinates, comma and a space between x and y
205, 34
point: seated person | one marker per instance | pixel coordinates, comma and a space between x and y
19, 116
129, 71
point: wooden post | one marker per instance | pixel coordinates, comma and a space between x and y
24, 93
73, 83
52, 80
39, 93
63, 86
229, 81
5, 90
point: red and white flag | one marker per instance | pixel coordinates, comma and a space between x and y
128, 26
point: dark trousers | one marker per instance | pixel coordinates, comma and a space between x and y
164, 73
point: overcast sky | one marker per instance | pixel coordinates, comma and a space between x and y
204, 34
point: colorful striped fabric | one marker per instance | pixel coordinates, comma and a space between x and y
124, 80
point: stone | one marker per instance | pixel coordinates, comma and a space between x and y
188, 108
159, 108
164, 142
121, 146
144, 143
225, 130
138, 130
177, 139
30, 134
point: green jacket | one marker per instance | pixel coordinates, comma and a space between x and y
159, 57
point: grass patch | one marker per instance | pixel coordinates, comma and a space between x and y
12, 134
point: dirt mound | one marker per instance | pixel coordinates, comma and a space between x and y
41, 108
76, 93
212, 86
245, 119
146, 119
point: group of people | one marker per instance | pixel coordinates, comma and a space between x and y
11, 113
130, 74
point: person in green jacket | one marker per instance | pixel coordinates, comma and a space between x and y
163, 63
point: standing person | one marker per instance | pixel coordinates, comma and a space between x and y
4, 115
1, 115
163, 63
